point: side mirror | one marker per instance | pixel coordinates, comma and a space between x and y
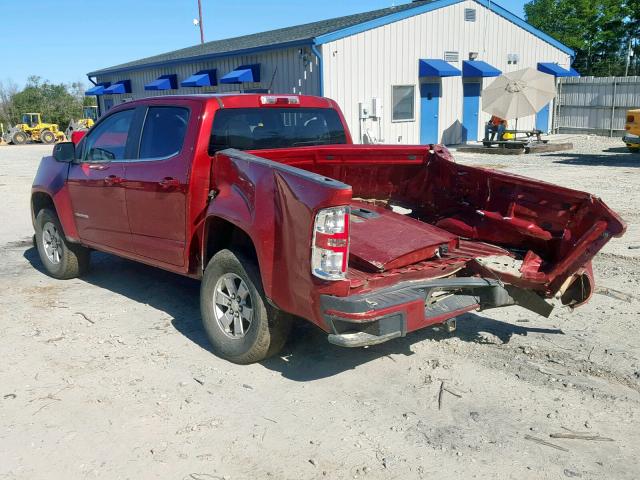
64, 152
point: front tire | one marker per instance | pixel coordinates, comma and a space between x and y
47, 137
240, 324
61, 259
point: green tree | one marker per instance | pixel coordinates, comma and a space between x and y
58, 103
632, 12
55, 102
596, 29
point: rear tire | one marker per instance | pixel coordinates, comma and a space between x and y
231, 288
61, 259
47, 137
19, 138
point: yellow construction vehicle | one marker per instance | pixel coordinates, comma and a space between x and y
33, 128
632, 127
89, 117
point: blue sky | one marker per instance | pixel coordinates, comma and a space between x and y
78, 36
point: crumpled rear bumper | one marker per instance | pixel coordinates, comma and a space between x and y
376, 317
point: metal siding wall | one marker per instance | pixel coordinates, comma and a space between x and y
366, 65
292, 76
586, 104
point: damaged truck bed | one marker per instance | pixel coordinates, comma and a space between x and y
430, 239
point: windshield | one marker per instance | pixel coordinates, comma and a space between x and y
264, 128
26, 118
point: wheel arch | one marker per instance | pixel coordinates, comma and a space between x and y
60, 205
220, 233
40, 201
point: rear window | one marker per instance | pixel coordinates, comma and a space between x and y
264, 128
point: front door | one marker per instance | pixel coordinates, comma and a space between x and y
470, 111
429, 107
156, 185
96, 183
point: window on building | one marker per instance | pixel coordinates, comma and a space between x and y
469, 14
163, 132
513, 59
108, 140
403, 102
451, 56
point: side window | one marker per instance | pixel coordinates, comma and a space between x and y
164, 131
108, 140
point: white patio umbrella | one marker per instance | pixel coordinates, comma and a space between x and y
518, 94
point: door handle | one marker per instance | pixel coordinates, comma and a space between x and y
113, 180
169, 182
97, 166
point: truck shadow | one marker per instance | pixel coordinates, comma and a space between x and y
307, 356
177, 296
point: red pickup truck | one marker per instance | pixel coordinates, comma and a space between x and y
266, 199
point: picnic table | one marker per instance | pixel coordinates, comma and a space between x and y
526, 139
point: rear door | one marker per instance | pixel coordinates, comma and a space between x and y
95, 183
157, 182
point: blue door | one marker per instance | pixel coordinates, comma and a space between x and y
429, 105
108, 105
470, 111
542, 119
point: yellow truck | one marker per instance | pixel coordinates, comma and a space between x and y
632, 134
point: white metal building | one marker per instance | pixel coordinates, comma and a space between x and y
408, 74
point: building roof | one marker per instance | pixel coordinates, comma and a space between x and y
316, 32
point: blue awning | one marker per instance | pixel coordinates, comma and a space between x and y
203, 78
574, 72
556, 70
164, 82
242, 74
98, 89
478, 68
437, 68
120, 87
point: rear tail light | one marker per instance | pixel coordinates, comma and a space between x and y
330, 248
280, 100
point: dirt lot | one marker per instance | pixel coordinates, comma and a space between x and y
110, 377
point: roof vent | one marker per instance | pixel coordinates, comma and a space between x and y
451, 57
469, 14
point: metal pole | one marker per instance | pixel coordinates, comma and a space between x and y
556, 111
613, 107
200, 20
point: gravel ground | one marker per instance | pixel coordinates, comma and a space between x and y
109, 376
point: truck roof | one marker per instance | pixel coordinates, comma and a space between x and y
245, 100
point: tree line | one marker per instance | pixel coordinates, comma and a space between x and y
600, 31
58, 103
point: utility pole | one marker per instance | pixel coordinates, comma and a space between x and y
629, 54
200, 21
